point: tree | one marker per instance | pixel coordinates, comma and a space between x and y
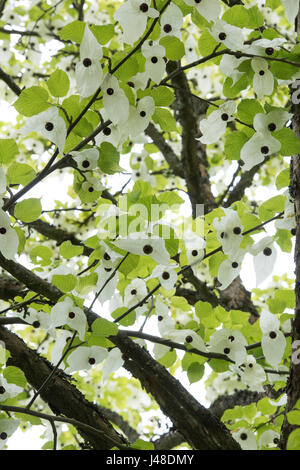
178, 122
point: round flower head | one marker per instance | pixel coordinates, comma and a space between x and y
269, 439
50, 125
187, 336
230, 268
252, 374
66, 313
88, 72
273, 340
271, 122
209, 9
229, 342
133, 16
214, 126
263, 81
83, 358
230, 36
171, 21
115, 101
135, 292
167, 276
155, 65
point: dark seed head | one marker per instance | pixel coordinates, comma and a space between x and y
85, 164
92, 361
106, 256
91, 189
107, 131
131, 84
71, 315
144, 7
293, 231
2, 390
222, 36
133, 292
237, 230
3, 436
269, 50
250, 365
267, 251
160, 318
87, 62
226, 350
194, 252
49, 126
110, 91
142, 114
165, 275
147, 249
36, 324
231, 338
261, 72
225, 117
244, 436
167, 28
272, 127
2, 230
154, 60
222, 235
234, 264
273, 334
189, 339
264, 150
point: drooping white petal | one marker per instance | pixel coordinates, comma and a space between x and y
113, 362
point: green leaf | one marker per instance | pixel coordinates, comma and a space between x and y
103, 33
163, 96
290, 145
294, 417
72, 31
206, 43
8, 150
28, 210
247, 109
174, 47
230, 90
237, 15
168, 359
103, 327
109, 159
14, 375
58, 83
165, 119
68, 250
139, 444
234, 143
283, 179
20, 173
41, 255
65, 282
195, 372
271, 207
294, 440
32, 101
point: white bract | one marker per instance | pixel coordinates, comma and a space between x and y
132, 16
230, 268
112, 363
269, 439
229, 230
289, 220
115, 101
209, 9
291, 8
139, 117
245, 438
40, 319
231, 36
252, 374
272, 121
171, 21
50, 124
263, 80
155, 65
140, 244
66, 313
8, 390
135, 292
166, 275
214, 126
195, 247
187, 336
258, 147
273, 340
86, 159
264, 259
106, 283
229, 67
7, 428
9, 240
83, 358
229, 342
88, 72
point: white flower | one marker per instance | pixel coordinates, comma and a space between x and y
263, 80
187, 336
195, 251
7, 428
264, 259
191, 48
229, 67
112, 363
132, 16
135, 292
50, 125
86, 159
165, 322
9, 240
2, 181
40, 320
140, 244
258, 147
83, 358
230, 36
214, 126
245, 438
264, 46
63, 336
229, 342
252, 374
92, 183
88, 72
104, 273
8, 390
171, 21
273, 340
289, 220
269, 439
115, 101
273, 121
139, 117
167, 276
155, 65
209, 9
66, 313
229, 231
